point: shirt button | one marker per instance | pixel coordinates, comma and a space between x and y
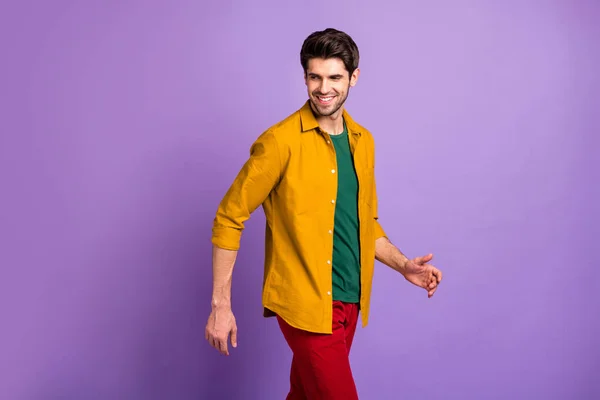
328, 142
332, 201
328, 293
333, 171
328, 261
330, 232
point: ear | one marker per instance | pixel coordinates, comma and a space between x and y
354, 77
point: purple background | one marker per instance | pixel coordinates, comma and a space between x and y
124, 122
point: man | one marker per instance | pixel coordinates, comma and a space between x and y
314, 175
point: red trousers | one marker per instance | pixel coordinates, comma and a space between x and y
320, 364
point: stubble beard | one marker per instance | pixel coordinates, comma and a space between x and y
336, 108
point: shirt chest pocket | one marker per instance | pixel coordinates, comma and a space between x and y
309, 193
366, 176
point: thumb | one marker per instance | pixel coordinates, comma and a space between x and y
424, 259
234, 337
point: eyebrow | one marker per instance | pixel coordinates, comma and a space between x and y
336, 76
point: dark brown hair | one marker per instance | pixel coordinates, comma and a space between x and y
330, 43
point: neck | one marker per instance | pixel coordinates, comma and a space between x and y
332, 124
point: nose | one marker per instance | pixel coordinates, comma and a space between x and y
324, 88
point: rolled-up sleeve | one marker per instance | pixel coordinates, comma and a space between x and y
379, 232
251, 187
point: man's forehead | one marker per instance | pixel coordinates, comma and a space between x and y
330, 66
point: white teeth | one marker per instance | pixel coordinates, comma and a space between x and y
325, 99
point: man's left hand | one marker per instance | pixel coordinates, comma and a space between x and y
418, 272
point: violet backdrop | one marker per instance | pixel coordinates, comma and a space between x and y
124, 122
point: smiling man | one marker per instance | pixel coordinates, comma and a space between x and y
314, 175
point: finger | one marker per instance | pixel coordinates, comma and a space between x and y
432, 291
437, 274
424, 259
216, 343
431, 279
223, 346
234, 337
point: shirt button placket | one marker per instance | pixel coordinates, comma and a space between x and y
330, 231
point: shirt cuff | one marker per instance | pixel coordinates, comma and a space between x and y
226, 238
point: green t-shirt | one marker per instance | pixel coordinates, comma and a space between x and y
346, 245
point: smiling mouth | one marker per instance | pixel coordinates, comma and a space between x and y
325, 100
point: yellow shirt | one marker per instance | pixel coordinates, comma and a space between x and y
292, 173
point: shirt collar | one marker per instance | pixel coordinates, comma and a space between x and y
308, 121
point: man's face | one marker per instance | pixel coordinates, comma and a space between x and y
328, 83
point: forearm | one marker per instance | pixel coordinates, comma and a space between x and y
390, 255
223, 261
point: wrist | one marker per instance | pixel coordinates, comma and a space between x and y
401, 264
220, 302
220, 306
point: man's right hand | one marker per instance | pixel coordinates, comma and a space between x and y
221, 323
